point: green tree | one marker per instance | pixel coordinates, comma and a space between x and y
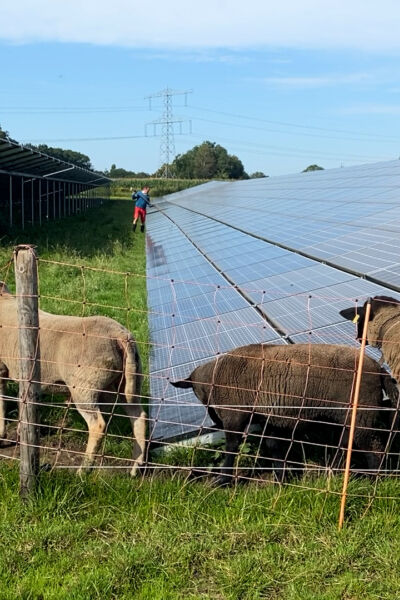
235, 168
184, 165
313, 168
5, 135
119, 173
206, 161
257, 174
76, 158
160, 172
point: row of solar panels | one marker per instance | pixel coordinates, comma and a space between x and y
16, 159
347, 217
194, 314
213, 287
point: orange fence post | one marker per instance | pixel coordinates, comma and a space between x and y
353, 416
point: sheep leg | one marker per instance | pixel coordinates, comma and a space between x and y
374, 457
137, 418
275, 452
2, 419
96, 428
3, 386
373, 463
225, 471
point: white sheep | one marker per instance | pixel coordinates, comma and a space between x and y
89, 358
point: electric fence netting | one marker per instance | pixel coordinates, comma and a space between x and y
209, 407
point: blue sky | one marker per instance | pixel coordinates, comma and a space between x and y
281, 87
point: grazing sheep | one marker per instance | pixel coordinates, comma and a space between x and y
383, 329
90, 358
298, 390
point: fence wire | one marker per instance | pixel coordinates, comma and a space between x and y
271, 412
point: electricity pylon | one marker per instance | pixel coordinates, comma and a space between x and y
167, 121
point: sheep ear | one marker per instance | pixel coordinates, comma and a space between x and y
184, 383
351, 315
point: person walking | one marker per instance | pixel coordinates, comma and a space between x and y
142, 201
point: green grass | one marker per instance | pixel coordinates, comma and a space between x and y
100, 239
163, 538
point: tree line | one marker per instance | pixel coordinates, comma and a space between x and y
208, 160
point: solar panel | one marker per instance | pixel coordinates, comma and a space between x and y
306, 312
269, 268
294, 282
15, 158
209, 337
192, 308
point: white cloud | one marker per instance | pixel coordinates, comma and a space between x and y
360, 24
319, 81
200, 56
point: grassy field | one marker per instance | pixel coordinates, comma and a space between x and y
68, 252
162, 537
122, 188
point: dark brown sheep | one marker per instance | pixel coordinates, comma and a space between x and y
297, 390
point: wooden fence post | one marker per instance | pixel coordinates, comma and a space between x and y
25, 264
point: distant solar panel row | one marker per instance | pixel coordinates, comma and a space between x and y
349, 217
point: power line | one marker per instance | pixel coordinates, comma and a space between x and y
88, 139
72, 110
241, 144
87, 109
287, 150
314, 135
296, 125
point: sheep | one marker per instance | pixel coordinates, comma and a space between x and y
383, 329
89, 358
286, 387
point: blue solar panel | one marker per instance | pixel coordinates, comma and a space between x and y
209, 337
306, 312
294, 282
192, 308
349, 218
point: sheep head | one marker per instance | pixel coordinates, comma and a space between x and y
357, 315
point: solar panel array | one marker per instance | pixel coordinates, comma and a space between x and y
266, 260
17, 159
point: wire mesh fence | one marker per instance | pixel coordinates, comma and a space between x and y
115, 398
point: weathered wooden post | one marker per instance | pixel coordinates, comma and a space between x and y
25, 264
